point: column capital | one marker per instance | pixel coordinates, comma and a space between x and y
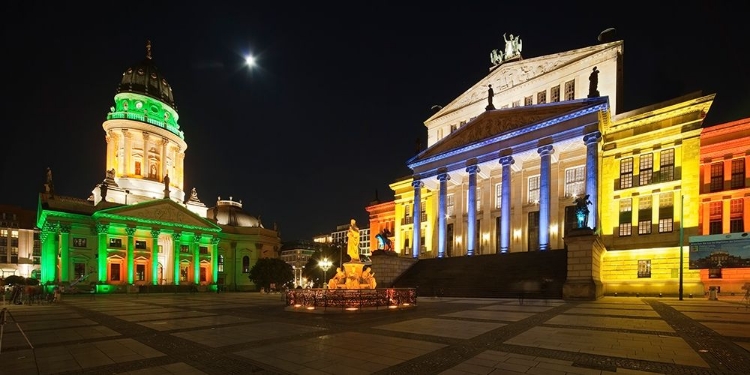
473, 169
176, 236
126, 133
592, 137
506, 161
64, 228
215, 240
417, 184
49, 227
443, 177
197, 238
102, 228
130, 231
155, 233
545, 150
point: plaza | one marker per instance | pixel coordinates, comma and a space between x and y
240, 333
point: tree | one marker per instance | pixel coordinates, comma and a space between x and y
267, 271
332, 252
15, 280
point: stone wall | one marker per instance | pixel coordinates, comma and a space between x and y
389, 267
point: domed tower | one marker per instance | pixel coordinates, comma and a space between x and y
145, 146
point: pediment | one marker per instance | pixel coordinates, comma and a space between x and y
496, 122
162, 212
515, 73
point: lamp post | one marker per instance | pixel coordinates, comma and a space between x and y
682, 232
325, 264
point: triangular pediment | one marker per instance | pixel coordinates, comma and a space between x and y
162, 212
518, 72
496, 122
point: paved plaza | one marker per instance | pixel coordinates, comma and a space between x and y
243, 333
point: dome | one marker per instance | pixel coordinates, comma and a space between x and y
144, 78
229, 212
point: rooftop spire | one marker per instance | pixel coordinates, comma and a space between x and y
148, 49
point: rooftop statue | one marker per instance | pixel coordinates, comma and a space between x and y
513, 46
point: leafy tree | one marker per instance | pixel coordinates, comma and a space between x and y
15, 280
271, 270
331, 252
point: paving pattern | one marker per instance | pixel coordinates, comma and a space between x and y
252, 333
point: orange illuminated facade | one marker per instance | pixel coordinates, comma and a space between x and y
382, 217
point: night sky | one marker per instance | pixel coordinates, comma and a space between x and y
337, 103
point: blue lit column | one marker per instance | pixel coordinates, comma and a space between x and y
544, 196
472, 213
591, 141
417, 243
442, 201
506, 162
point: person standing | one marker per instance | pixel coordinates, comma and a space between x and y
352, 246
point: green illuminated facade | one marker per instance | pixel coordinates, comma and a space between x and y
137, 230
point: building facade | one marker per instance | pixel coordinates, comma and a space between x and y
137, 229
20, 245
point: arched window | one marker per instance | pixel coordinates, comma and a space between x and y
246, 264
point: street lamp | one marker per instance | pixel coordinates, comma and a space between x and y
325, 264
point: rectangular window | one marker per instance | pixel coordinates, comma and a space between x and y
646, 169
203, 250
626, 173
570, 90
644, 268
738, 173
541, 97
528, 100
450, 208
140, 272
453, 128
554, 94
115, 242
407, 210
717, 176
626, 217
666, 212
516, 103
736, 222
714, 273
575, 181
140, 245
79, 270
185, 248
644, 214
666, 165
534, 189
114, 271
498, 196
715, 217
14, 254
79, 242
533, 231
220, 263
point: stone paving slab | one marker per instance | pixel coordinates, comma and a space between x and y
241, 333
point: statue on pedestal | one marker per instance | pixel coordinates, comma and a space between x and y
352, 246
582, 210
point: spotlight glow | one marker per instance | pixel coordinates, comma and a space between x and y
250, 60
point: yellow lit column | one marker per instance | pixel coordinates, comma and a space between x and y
164, 143
102, 230
155, 256
110, 149
64, 252
128, 149
181, 170
196, 259
146, 168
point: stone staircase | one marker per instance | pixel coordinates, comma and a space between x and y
531, 274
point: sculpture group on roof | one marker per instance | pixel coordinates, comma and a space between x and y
512, 50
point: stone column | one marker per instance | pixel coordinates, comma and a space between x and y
442, 211
215, 259
102, 230
472, 211
417, 225
128, 152
64, 252
180, 167
545, 153
591, 141
506, 162
49, 256
196, 259
164, 143
155, 256
131, 248
110, 150
176, 245
145, 168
